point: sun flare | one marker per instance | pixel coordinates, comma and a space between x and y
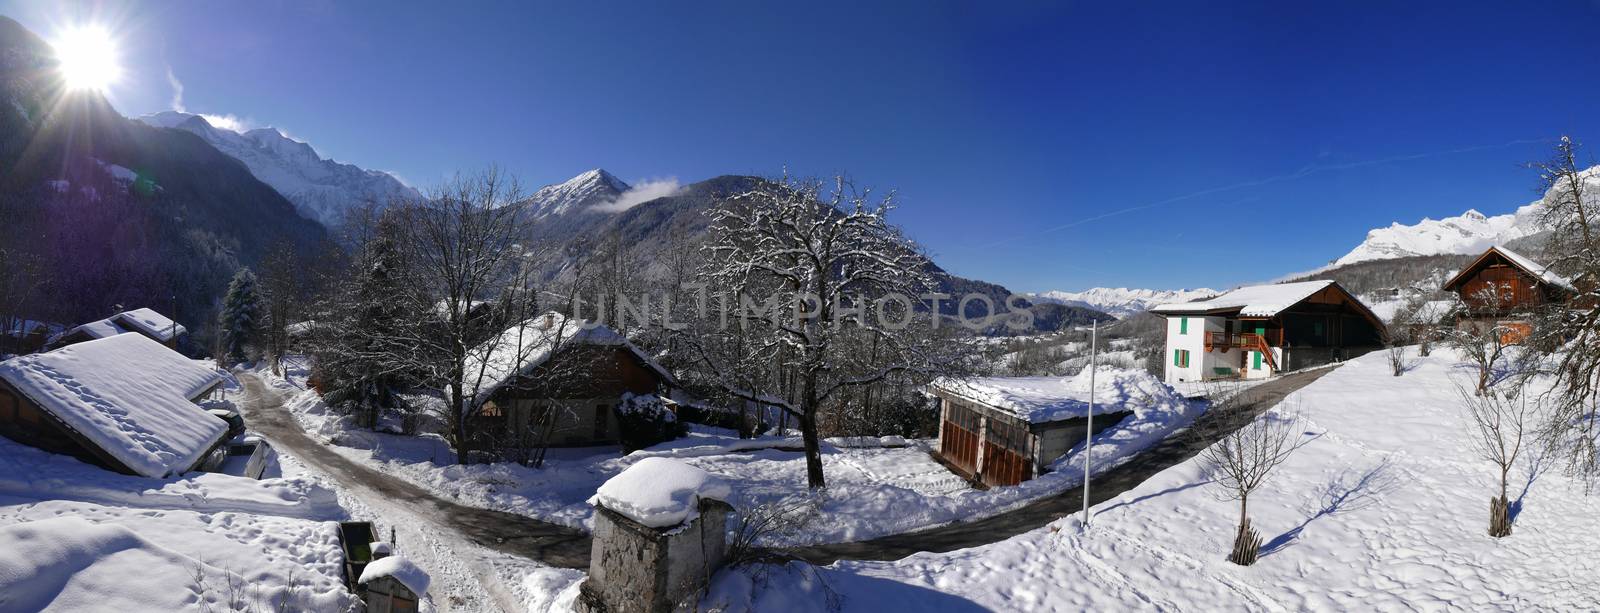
88, 56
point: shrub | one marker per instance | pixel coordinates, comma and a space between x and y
645, 420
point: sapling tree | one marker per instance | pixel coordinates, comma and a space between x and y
1501, 421
1241, 462
1483, 339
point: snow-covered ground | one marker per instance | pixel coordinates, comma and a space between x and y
875, 488
75, 537
1382, 508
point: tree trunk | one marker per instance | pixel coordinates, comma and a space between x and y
458, 423
808, 432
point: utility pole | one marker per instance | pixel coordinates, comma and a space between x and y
1088, 433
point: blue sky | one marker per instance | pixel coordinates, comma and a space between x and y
1230, 143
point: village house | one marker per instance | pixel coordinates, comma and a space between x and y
155, 326
559, 380
1258, 331
1006, 430
1503, 289
124, 402
23, 336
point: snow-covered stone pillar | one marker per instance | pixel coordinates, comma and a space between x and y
660, 532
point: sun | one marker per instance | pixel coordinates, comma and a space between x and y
88, 56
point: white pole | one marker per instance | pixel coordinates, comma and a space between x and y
1088, 433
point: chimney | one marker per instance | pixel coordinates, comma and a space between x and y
549, 321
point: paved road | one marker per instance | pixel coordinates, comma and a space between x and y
1213, 425
505, 532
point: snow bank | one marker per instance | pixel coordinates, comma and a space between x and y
128, 395
72, 564
1045, 399
402, 570
660, 492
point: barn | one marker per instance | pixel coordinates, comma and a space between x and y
1006, 430
1503, 288
124, 402
148, 322
559, 380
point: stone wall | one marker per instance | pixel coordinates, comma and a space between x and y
634, 568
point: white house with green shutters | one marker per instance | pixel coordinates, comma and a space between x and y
1258, 331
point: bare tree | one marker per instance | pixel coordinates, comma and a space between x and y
1481, 338
283, 279
1240, 463
803, 261
1571, 334
1501, 420
22, 281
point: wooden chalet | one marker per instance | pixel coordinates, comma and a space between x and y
147, 322
560, 381
1005, 430
1503, 288
123, 402
1258, 331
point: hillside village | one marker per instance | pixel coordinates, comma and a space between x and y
747, 393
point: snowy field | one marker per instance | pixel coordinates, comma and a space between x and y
75, 537
875, 487
1383, 508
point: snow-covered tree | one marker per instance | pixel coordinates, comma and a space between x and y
240, 322
359, 368
800, 266
1570, 334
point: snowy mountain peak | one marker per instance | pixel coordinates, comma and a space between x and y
1121, 301
321, 189
578, 194
1468, 233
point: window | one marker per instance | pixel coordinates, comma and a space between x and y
1183, 325
1180, 358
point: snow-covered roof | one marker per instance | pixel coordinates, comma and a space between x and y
1526, 263
145, 321
1047, 399
402, 570
128, 395
660, 492
520, 349
1250, 301
153, 324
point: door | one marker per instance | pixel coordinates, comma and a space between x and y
958, 437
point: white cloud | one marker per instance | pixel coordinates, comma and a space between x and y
225, 121
648, 190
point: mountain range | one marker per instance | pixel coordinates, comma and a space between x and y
1121, 302
321, 189
116, 214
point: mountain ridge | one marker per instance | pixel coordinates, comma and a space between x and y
322, 189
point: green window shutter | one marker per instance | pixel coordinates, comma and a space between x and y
1177, 357
1186, 358
1258, 360
1183, 325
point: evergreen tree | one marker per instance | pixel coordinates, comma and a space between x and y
240, 322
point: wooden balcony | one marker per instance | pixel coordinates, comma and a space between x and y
1247, 340
1243, 340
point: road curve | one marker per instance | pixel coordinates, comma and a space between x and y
510, 533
